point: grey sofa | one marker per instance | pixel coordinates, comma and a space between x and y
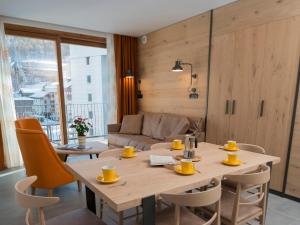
156, 128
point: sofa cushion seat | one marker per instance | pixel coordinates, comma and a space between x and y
138, 141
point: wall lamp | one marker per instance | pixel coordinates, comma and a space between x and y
128, 74
178, 68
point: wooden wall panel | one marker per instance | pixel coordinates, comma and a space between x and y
248, 13
166, 91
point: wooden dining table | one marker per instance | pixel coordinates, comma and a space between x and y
141, 184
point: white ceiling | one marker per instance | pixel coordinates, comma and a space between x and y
128, 17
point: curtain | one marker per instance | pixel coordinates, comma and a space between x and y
126, 59
7, 110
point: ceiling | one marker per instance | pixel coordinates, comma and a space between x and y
128, 17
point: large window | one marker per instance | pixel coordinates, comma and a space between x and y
57, 76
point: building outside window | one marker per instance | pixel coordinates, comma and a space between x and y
90, 115
87, 60
90, 99
88, 79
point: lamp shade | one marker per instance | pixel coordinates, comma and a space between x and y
177, 67
128, 74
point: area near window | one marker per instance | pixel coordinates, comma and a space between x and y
57, 76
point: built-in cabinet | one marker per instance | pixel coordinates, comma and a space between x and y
252, 88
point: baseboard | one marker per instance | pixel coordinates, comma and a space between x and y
283, 195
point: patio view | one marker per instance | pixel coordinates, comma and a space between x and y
36, 89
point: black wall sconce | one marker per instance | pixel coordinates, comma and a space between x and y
178, 68
128, 74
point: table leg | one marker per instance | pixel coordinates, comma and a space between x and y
90, 199
91, 156
148, 204
97, 155
66, 158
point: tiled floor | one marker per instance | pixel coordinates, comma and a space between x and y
281, 211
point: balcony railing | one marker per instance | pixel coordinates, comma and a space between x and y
48, 115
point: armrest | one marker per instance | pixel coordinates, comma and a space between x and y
114, 128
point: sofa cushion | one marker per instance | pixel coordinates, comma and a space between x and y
138, 141
150, 124
132, 124
171, 125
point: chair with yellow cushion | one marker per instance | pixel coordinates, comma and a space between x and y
40, 159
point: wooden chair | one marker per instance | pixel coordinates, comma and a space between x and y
251, 148
240, 207
247, 147
78, 217
161, 145
180, 215
40, 159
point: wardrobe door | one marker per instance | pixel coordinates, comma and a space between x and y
220, 89
248, 72
279, 82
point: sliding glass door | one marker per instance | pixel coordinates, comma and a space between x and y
84, 75
56, 78
35, 81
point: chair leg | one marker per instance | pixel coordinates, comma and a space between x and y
120, 222
33, 190
79, 185
137, 214
50, 193
262, 219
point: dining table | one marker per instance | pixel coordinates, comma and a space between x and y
141, 184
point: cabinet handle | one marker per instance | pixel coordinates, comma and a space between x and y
227, 107
262, 105
233, 107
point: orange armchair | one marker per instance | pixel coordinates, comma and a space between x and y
40, 158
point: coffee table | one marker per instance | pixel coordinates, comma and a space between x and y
97, 148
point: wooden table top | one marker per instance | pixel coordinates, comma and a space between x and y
97, 147
140, 180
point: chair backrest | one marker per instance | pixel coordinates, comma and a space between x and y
29, 202
111, 153
251, 148
197, 199
40, 159
257, 177
29, 124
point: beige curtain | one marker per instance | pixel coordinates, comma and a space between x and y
12, 156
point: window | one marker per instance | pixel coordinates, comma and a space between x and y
90, 97
87, 60
88, 79
90, 114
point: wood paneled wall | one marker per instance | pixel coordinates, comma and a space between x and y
166, 91
188, 40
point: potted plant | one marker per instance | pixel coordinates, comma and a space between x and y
82, 127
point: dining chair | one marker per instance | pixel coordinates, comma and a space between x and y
161, 145
251, 148
40, 159
181, 215
79, 217
28, 123
247, 147
239, 206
